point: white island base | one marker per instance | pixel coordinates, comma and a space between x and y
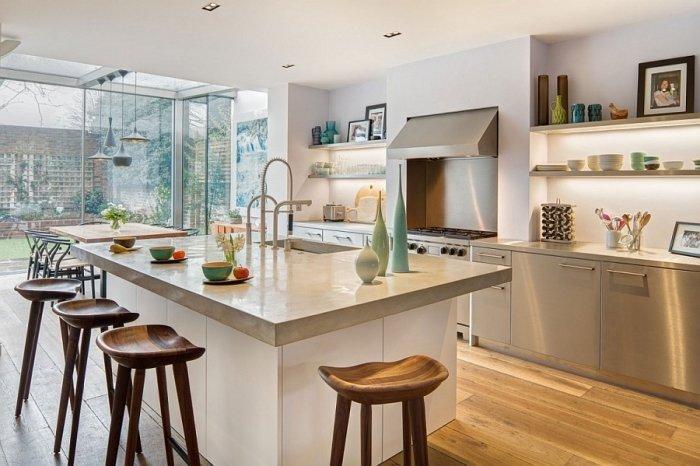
257, 404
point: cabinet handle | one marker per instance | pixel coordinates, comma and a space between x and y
497, 287
309, 233
493, 256
581, 267
343, 237
635, 274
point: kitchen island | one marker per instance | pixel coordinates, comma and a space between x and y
258, 399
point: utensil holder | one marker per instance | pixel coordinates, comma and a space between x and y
612, 239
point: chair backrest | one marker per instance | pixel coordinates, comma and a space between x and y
33, 237
54, 249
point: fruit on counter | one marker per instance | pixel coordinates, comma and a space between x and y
179, 254
117, 248
241, 272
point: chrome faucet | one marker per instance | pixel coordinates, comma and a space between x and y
290, 221
248, 224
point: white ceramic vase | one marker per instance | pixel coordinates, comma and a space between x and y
367, 264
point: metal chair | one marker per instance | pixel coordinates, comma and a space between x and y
58, 263
33, 240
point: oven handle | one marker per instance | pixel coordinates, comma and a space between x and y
492, 256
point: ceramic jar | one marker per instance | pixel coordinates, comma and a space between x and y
558, 111
367, 264
578, 113
595, 112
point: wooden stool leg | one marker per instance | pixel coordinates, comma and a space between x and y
184, 398
406, 415
340, 430
108, 373
35, 312
419, 431
134, 415
366, 435
35, 344
64, 340
108, 367
70, 351
115, 426
79, 385
165, 413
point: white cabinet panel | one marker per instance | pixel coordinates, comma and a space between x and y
308, 233
343, 237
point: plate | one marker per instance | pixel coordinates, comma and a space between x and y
230, 281
133, 248
169, 261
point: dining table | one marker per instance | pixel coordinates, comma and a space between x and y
103, 232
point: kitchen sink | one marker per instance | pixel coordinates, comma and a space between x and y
314, 247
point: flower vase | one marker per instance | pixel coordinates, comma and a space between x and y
559, 114
116, 225
230, 257
367, 264
380, 239
399, 253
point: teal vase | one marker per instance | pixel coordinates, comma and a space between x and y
399, 253
329, 132
380, 239
367, 264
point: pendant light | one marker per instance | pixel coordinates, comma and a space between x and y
110, 141
134, 136
100, 155
122, 158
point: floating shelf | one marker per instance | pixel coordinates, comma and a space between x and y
685, 119
350, 177
615, 174
350, 145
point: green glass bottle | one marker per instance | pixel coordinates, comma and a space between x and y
399, 253
559, 115
380, 239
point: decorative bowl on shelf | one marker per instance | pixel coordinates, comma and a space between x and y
593, 163
576, 165
217, 271
161, 253
672, 165
611, 162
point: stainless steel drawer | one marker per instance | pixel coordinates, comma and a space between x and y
491, 313
343, 237
651, 324
491, 256
308, 233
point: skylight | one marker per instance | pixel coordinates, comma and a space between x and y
20, 62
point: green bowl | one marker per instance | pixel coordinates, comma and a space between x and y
217, 271
162, 253
648, 158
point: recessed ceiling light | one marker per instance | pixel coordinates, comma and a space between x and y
288, 65
211, 6
389, 35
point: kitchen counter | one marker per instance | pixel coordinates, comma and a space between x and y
597, 251
364, 228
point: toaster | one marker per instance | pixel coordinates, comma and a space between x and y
333, 213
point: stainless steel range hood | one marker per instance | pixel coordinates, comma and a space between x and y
467, 133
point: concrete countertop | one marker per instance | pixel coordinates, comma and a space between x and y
598, 252
364, 228
293, 295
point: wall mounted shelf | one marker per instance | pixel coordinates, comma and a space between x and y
685, 119
616, 174
350, 145
350, 177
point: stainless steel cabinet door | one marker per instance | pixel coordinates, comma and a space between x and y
651, 324
491, 306
555, 307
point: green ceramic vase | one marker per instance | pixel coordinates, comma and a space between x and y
558, 111
380, 239
399, 253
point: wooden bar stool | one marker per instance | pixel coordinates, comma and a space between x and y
78, 318
406, 381
146, 347
38, 291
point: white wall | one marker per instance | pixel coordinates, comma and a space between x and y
495, 75
349, 103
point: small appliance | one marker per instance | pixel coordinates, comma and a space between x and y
333, 213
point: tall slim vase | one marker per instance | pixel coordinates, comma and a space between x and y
380, 239
399, 253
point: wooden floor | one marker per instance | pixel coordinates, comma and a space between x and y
509, 412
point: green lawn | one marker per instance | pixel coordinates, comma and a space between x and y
13, 248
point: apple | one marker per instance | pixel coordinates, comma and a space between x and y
179, 254
241, 272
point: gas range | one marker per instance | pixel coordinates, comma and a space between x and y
451, 242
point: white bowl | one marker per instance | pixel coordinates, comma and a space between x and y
576, 165
611, 166
672, 165
610, 157
592, 161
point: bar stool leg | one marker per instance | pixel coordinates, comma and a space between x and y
108, 367
80, 384
340, 430
165, 413
64, 340
108, 374
366, 435
184, 398
406, 433
115, 426
35, 344
419, 431
134, 415
71, 350
35, 311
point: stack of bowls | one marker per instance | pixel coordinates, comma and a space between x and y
697, 164
610, 162
592, 161
651, 162
637, 160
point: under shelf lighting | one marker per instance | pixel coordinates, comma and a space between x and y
211, 6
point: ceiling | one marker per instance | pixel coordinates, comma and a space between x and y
244, 43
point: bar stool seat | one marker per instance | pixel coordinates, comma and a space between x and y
406, 381
94, 313
144, 347
48, 289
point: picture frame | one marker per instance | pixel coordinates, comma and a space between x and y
666, 87
359, 130
685, 239
377, 115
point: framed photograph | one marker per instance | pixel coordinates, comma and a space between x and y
359, 130
377, 115
666, 87
686, 239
